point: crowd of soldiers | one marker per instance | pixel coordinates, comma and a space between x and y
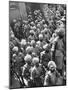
38, 49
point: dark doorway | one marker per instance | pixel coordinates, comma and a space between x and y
35, 6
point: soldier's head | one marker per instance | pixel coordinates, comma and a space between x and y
40, 37
29, 50
15, 49
32, 32
60, 32
32, 23
20, 55
52, 66
23, 43
46, 48
35, 61
32, 43
14, 57
34, 54
28, 59
60, 23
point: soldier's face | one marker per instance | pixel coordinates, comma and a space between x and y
52, 69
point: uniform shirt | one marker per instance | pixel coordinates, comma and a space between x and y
46, 57
59, 54
51, 78
36, 72
59, 44
37, 76
26, 71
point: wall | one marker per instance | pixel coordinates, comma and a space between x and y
16, 10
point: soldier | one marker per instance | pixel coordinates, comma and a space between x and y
37, 73
59, 51
52, 76
32, 35
45, 55
15, 49
33, 43
26, 69
29, 50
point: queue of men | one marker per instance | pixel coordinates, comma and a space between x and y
38, 50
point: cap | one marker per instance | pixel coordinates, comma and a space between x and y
15, 49
29, 49
35, 60
28, 58
23, 42
51, 63
40, 36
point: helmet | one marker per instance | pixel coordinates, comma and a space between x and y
28, 58
32, 32
29, 16
36, 21
60, 32
14, 58
43, 20
34, 27
38, 25
38, 43
45, 25
15, 49
63, 19
32, 42
45, 46
23, 42
29, 49
51, 63
38, 31
44, 31
14, 55
40, 36
34, 54
32, 23
35, 60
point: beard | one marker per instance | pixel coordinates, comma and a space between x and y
52, 70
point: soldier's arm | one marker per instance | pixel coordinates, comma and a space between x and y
33, 74
23, 69
46, 81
